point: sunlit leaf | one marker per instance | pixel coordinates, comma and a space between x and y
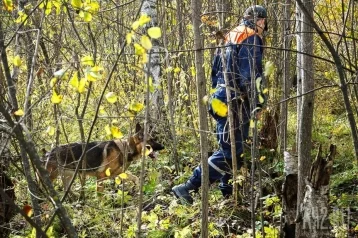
94, 7
269, 68
17, 61
265, 91
143, 19
53, 81
74, 82
108, 130
108, 172
50, 130
116, 133
22, 17
48, 8
118, 180
177, 70
262, 158
136, 107
145, 42
87, 60
135, 25
144, 58
76, 3
148, 150
87, 17
193, 71
111, 97
81, 86
138, 49
154, 32
19, 113
219, 107
123, 176
8, 5
55, 99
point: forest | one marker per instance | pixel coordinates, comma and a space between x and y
104, 109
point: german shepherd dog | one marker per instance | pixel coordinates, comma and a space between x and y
114, 156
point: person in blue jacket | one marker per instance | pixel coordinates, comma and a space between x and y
243, 60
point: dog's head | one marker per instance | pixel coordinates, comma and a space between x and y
152, 144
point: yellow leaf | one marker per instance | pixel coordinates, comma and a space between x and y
17, 61
50, 130
258, 84
74, 81
213, 90
87, 17
108, 130
148, 150
261, 99
143, 19
177, 70
154, 32
145, 42
136, 107
101, 110
81, 86
135, 25
144, 58
76, 3
138, 49
97, 69
123, 176
55, 99
118, 180
219, 107
262, 158
129, 37
53, 81
193, 71
116, 133
265, 91
87, 60
19, 113
252, 124
8, 5
111, 97
108, 172
94, 7
269, 68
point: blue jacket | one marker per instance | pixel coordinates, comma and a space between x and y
241, 43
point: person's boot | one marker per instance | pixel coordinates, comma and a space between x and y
182, 191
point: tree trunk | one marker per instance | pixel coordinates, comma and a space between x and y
314, 210
286, 75
305, 111
196, 6
149, 8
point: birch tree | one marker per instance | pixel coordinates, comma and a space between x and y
196, 6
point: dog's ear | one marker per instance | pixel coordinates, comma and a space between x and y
138, 128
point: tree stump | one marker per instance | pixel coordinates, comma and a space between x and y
289, 194
314, 210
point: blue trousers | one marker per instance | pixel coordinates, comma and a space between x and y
220, 163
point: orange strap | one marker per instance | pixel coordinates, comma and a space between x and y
239, 34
